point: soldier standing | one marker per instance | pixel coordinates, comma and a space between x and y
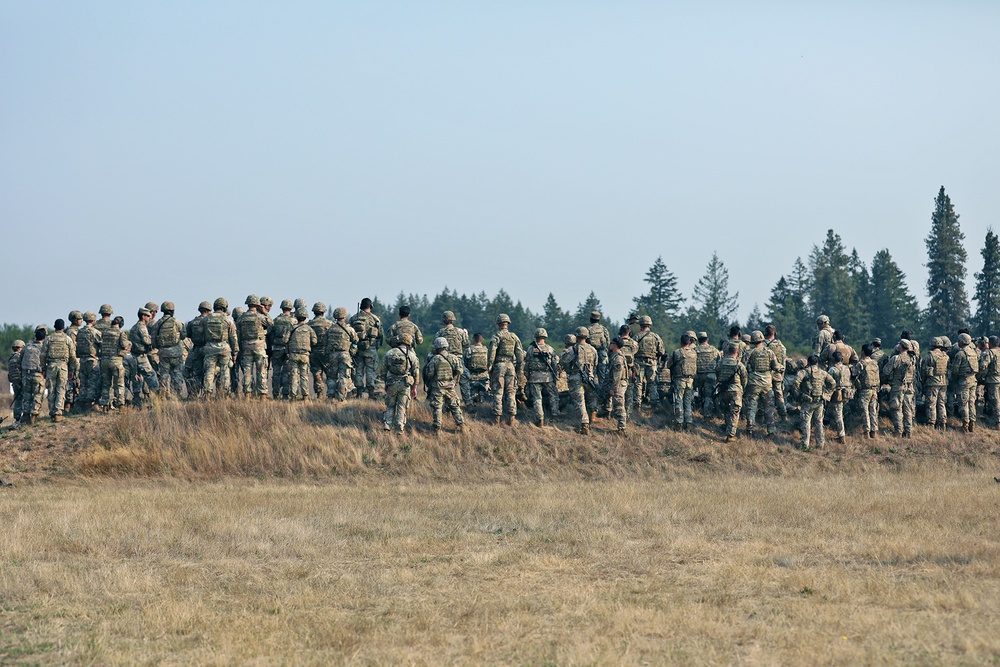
778, 376
14, 376
899, 372
964, 367
761, 365
650, 350
934, 370
814, 385
458, 343
478, 369
105, 311
705, 380
221, 347
73, 386
319, 324
33, 377
301, 342
168, 334
58, 358
600, 339
628, 349
579, 361
252, 329
542, 370
278, 339
194, 365
399, 374
736, 339
616, 385
115, 346
340, 340
441, 374
842, 393
731, 378
824, 334
88, 346
405, 325
505, 358
867, 373
142, 345
683, 367
369, 329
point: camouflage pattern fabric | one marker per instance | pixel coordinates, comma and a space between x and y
278, 339
505, 357
731, 378
115, 346
32, 380
252, 329
366, 377
867, 373
579, 361
539, 361
441, 374
142, 346
398, 385
14, 376
301, 342
899, 370
965, 366
822, 338
340, 340
476, 386
221, 347
616, 381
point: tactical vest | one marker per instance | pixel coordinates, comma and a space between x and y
443, 371
299, 340
397, 362
58, 347
648, 347
779, 351
251, 327
707, 356
968, 362
14, 367
139, 346
197, 328
538, 359
868, 378
505, 344
688, 362
727, 369
478, 359
168, 333
320, 325
86, 342
903, 372
599, 338
216, 327
31, 358
337, 338
454, 337
629, 349
111, 343
283, 326
760, 360
814, 384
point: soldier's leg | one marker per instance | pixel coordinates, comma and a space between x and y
535, 402
896, 410
993, 399
118, 378
872, 408
578, 401
649, 371
497, 390
150, 378
436, 400
820, 431
510, 390
678, 401
454, 405
618, 407
733, 413
56, 386
778, 388
973, 397
750, 399
17, 386
806, 414
688, 401
390, 409
107, 377
837, 419
246, 360
552, 395
465, 387
402, 405
909, 409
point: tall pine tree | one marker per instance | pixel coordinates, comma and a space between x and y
663, 301
716, 307
891, 306
555, 320
987, 297
583, 310
785, 310
834, 289
948, 308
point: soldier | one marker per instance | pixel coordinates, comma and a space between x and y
934, 370
705, 380
633, 324
867, 373
340, 340
599, 339
778, 377
319, 324
105, 311
369, 329
73, 386
58, 358
736, 339
441, 373
989, 369
616, 382
761, 365
964, 367
505, 358
458, 343
399, 374
115, 346
88, 346
477, 368
579, 361
628, 349
167, 333
814, 385
824, 334
731, 378
301, 343
277, 338
878, 354
14, 375
142, 344
650, 350
899, 372
154, 354
847, 352
842, 393
221, 347
252, 329
194, 365
235, 384
683, 368
405, 325
33, 377
542, 370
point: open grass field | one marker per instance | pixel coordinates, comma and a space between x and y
241, 533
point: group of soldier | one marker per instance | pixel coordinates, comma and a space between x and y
94, 362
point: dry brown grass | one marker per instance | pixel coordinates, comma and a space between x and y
877, 567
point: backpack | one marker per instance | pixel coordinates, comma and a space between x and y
477, 359
215, 327
250, 327
689, 362
397, 362
505, 344
168, 334
58, 349
760, 360
647, 345
868, 378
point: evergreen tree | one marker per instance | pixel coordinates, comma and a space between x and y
716, 305
663, 301
799, 287
583, 310
987, 320
834, 291
948, 308
555, 320
785, 310
891, 306
755, 321
862, 287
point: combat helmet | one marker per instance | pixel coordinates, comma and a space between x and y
301, 313
569, 339
266, 301
448, 317
286, 304
220, 304
582, 332
964, 339
541, 333
340, 313
106, 309
75, 315
252, 300
90, 316
822, 319
204, 307
17, 344
167, 305
299, 303
152, 307
503, 318
595, 316
237, 312
645, 321
440, 343
319, 308
756, 336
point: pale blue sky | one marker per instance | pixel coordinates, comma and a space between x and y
184, 151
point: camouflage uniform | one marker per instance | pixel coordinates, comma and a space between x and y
278, 338
778, 376
441, 373
731, 378
964, 367
14, 375
406, 326
142, 345
102, 325
74, 385
369, 329
252, 329
32, 380
221, 347
458, 343
301, 342
194, 365
899, 372
650, 351
541, 366
504, 359
59, 361
842, 393
815, 385
477, 366
867, 373
683, 368
115, 346
934, 369
633, 393
705, 380
824, 335
761, 365
399, 374
616, 384
600, 339
88, 346
339, 341
169, 334
579, 361
319, 324
849, 354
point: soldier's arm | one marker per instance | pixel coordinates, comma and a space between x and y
420, 336
45, 353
